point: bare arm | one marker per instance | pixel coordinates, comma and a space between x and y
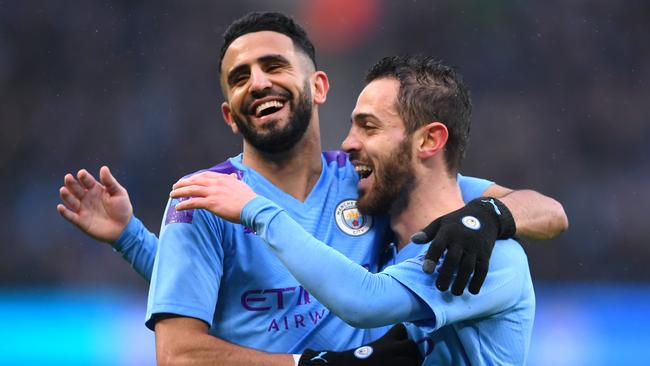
536, 216
185, 341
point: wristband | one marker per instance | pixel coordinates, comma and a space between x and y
507, 226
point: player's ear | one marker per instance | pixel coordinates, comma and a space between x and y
320, 85
431, 139
227, 116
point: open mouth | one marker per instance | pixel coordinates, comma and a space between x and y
364, 171
268, 108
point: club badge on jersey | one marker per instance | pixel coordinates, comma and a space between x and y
350, 220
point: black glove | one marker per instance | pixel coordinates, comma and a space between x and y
468, 234
393, 349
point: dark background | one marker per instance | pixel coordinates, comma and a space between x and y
560, 91
561, 102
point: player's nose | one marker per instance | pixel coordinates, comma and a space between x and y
351, 142
259, 79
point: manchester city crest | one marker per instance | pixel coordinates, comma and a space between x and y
350, 220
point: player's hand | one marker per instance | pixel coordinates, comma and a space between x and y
222, 194
100, 209
394, 348
468, 235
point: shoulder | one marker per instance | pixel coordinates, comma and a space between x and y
509, 261
173, 216
510, 251
225, 167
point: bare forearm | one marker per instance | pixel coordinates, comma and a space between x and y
208, 350
536, 216
186, 346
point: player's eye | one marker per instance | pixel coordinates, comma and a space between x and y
239, 79
370, 129
272, 67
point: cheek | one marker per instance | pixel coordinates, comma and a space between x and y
382, 147
236, 98
386, 155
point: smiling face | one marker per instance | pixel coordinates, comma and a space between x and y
267, 85
380, 149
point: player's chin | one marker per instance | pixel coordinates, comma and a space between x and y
365, 204
365, 196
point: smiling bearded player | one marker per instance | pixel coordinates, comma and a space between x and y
409, 131
213, 291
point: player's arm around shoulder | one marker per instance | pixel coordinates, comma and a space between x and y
536, 216
184, 291
504, 287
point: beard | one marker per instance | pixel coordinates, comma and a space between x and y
270, 138
393, 183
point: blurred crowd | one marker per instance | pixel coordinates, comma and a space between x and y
561, 93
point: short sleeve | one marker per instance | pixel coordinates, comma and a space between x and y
188, 267
471, 187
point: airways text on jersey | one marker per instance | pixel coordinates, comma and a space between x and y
273, 301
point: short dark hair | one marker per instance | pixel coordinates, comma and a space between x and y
268, 21
430, 91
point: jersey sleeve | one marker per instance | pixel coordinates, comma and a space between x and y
471, 187
503, 286
138, 246
360, 298
188, 267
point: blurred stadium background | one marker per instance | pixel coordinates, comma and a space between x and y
562, 98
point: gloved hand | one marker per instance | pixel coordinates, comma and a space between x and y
393, 349
468, 235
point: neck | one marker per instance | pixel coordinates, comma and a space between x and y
295, 171
433, 195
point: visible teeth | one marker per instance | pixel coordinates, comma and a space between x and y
363, 170
269, 104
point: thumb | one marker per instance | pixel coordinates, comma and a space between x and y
108, 180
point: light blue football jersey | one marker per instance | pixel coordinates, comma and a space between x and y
491, 328
222, 273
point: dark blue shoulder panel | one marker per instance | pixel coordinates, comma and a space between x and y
186, 216
336, 155
226, 168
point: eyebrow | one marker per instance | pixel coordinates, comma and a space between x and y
273, 58
232, 75
362, 116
